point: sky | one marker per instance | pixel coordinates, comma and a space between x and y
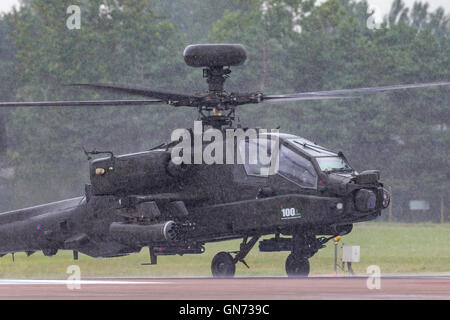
383, 5
6, 5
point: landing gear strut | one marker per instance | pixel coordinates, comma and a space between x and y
304, 246
224, 265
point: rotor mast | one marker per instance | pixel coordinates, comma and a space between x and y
216, 59
216, 77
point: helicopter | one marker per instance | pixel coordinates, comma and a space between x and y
174, 201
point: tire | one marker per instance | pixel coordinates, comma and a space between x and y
297, 266
49, 252
223, 266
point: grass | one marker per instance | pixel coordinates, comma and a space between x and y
396, 248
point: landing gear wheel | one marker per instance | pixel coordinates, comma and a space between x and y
297, 266
223, 265
49, 252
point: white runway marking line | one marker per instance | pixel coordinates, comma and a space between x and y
81, 282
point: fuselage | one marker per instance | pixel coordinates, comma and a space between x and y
133, 200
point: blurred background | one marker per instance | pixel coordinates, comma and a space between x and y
292, 46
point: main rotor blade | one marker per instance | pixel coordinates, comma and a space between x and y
99, 103
280, 98
166, 96
347, 93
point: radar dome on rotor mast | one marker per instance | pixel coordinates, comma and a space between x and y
214, 58
214, 55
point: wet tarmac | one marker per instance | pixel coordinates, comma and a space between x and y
313, 288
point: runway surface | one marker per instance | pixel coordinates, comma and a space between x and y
348, 288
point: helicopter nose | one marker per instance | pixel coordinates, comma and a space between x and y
365, 200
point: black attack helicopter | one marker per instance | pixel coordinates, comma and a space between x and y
147, 200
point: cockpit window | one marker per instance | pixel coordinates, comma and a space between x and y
333, 164
250, 152
297, 168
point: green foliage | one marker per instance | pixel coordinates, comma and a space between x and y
7, 61
126, 44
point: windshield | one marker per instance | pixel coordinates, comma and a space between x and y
333, 164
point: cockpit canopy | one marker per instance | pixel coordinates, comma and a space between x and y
297, 160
